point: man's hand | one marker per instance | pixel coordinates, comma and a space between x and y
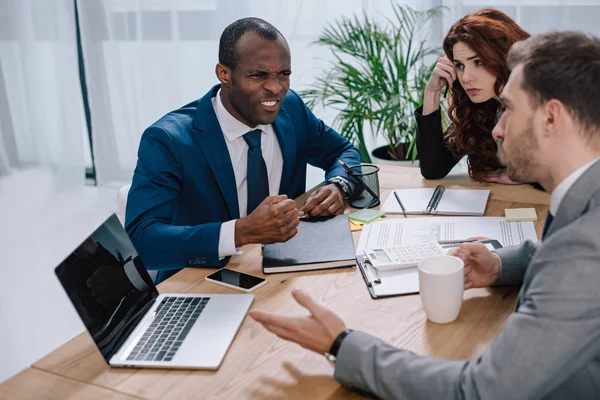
315, 332
326, 200
482, 267
499, 176
274, 220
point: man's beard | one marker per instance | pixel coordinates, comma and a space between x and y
522, 166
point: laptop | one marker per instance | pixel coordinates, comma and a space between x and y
130, 322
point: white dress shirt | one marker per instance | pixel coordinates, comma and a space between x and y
561, 190
234, 130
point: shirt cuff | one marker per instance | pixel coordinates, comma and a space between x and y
500, 263
134, 277
227, 240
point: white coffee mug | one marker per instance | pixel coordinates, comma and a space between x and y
441, 285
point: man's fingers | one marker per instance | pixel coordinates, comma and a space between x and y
290, 215
285, 206
309, 303
329, 198
303, 338
274, 199
461, 253
313, 200
467, 269
473, 249
335, 208
291, 218
279, 331
321, 208
272, 319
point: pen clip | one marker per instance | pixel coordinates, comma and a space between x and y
373, 271
367, 273
372, 277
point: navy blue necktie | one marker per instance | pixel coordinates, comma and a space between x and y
549, 219
257, 178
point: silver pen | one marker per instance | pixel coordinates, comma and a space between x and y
368, 276
366, 266
457, 241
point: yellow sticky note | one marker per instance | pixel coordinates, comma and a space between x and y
520, 214
354, 227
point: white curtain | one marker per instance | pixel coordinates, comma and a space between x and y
42, 123
146, 58
42, 148
535, 16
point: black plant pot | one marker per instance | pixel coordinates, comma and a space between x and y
381, 155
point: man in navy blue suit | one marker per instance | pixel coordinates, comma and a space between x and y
222, 171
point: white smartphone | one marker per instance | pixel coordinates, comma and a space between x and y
236, 280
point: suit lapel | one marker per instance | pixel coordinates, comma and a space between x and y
577, 199
286, 136
211, 140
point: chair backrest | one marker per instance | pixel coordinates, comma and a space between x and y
122, 202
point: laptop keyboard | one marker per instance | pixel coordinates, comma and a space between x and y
172, 323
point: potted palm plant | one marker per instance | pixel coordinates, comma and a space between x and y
377, 78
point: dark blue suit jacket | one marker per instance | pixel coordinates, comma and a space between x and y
184, 186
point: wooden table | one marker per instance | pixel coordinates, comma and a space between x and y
261, 366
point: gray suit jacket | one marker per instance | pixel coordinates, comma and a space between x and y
550, 345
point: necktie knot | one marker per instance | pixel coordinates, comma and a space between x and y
252, 138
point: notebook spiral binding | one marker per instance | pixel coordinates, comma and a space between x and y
435, 198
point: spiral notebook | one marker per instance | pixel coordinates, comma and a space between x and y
437, 201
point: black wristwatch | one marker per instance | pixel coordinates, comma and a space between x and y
343, 184
331, 355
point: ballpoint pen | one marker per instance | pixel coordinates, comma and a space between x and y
357, 179
373, 272
458, 241
400, 202
368, 278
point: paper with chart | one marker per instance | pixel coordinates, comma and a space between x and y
398, 231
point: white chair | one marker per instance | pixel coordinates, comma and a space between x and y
122, 202
122, 205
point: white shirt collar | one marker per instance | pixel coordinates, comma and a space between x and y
561, 190
231, 127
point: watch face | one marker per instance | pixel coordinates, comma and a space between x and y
343, 185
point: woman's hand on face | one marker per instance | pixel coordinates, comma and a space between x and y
443, 74
499, 176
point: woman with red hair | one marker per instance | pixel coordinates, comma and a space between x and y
474, 68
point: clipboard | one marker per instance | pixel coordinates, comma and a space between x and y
409, 284
399, 282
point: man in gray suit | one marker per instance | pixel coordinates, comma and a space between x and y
550, 345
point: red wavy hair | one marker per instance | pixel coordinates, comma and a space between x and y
490, 34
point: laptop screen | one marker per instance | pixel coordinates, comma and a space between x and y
108, 285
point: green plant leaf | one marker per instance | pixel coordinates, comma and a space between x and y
378, 75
